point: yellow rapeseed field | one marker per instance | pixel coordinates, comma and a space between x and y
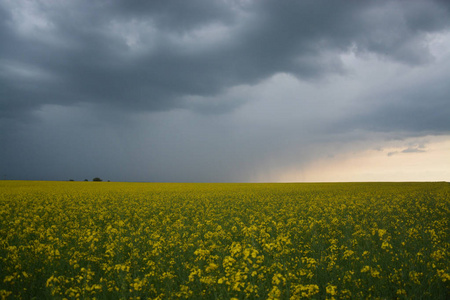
101, 240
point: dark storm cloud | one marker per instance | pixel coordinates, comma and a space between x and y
178, 16
419, 105
149, 55
200, 90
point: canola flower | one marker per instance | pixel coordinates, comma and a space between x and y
84, 240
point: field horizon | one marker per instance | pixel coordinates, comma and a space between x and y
234, 182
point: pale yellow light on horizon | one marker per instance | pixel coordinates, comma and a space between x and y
388, 164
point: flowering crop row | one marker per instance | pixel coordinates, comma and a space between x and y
85, 240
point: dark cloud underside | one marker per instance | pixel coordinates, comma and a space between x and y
150, 54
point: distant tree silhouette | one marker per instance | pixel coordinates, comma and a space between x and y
96, 179
86, 180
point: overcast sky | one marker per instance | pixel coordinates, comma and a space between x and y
230, 90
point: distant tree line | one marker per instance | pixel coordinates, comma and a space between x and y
94, 179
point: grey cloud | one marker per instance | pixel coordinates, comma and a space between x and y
392, 153
413, 150
396, 29
177, 15
426, 112
416, 104
85, 46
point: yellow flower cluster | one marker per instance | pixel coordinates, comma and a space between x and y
86, 240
